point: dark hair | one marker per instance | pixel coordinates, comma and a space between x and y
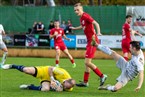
56, 20
135, 44
128, 16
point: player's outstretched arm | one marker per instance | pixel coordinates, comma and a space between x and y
64, 36
140, 82
76, 28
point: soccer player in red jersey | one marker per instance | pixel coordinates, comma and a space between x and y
127, 36
57, 33
87, 24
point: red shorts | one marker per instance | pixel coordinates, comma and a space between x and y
60, 46
90, 51
125, 46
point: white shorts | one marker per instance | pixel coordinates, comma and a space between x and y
2, 45
123, 78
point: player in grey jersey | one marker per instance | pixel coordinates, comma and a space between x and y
3, 46
129, 70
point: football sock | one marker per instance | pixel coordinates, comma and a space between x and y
32, 87
56, 61
105, 49
98, 72
126, 58
86, 76
4, 57
72, 61
20, 68
111, 88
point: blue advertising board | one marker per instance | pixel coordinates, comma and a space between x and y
69, 44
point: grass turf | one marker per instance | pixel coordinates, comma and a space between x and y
11, 79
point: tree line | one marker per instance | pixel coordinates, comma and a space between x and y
72, 2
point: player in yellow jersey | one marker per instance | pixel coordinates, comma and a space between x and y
47, 75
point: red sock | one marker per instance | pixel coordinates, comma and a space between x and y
86, 76
126, 58
72, 61
98, 72
56, 61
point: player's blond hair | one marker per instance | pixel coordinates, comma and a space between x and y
78, 4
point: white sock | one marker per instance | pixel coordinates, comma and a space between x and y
4, 57
105, 49
111, 88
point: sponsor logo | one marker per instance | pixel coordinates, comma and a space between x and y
140, 21
82, 41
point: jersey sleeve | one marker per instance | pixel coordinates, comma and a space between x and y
51, 32
58, 71
126, 26
62, 32
140, 65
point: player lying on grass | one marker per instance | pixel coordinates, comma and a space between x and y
129, 70
48, 75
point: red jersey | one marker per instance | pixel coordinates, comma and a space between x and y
126, 32
86, 23
57, 38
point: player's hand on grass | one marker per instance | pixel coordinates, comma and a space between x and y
137, 89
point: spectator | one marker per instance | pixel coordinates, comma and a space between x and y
63, 26
51, 25
68, 30
33, 29
40, 28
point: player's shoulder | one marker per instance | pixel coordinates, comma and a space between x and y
126, 24
86, 14
53, 29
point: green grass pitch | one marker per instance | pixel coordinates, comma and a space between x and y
11, 79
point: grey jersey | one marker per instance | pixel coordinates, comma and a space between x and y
135, 65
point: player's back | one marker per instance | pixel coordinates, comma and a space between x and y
61, 74
135, 65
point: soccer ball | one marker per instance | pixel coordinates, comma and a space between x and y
56, 86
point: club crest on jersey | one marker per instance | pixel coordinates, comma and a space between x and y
60, 31
83, 22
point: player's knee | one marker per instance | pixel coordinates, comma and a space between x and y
115, 89
45, 89
87, 63
114, 53
25, 70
